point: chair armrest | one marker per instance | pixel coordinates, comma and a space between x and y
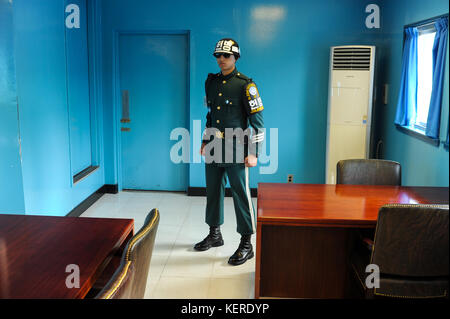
364, 239
368, 243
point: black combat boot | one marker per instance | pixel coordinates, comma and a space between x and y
214, 239
244, 252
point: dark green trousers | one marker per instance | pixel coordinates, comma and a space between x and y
216, 180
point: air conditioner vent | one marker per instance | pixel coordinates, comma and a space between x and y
351, 58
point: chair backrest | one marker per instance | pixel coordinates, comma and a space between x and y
120, 284
411, 249
368, 172
139, 251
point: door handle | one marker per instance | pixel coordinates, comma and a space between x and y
125, 107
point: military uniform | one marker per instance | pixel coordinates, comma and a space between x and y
234, 105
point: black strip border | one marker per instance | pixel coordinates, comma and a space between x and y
88, 202
78, 177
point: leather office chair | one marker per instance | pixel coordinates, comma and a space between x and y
368, 172
120, 285
411, 249
138, 252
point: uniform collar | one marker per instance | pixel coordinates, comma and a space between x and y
228, 76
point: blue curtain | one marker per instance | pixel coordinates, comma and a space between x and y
439, 52
407, 100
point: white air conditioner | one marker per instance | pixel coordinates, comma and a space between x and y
349, 105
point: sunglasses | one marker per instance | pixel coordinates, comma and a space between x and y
225, 55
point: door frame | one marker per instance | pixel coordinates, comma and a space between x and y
117, 99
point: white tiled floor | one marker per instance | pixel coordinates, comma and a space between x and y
176, 269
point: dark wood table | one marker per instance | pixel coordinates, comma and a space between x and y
35, 251
305, 233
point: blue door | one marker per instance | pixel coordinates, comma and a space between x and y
153, 88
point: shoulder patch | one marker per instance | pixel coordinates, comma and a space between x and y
253, 98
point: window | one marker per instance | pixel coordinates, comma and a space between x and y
422, 79
425, 43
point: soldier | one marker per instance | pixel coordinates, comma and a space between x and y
233, 103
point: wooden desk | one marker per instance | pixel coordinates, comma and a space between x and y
35, 250
305, 233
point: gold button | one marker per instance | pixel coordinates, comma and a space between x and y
218, 107
218, 121
239, 74
220, 94
231, 102
224, 82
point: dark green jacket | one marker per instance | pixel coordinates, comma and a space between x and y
234, 102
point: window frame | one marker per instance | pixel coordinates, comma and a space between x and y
417, 130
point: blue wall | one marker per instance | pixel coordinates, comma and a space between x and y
40, 59
11, 189
422, 163
286, 52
